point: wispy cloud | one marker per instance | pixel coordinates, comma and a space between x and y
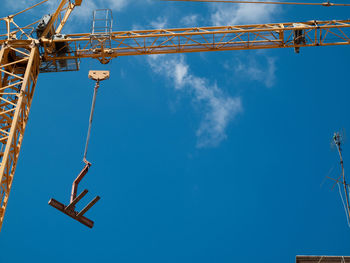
116, 5
218, 108
81, 16
159, 23
11, 6
18, 5
221, 109
190, 20
257, 68
233, 14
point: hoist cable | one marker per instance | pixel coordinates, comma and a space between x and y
90, 120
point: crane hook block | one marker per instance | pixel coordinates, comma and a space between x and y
98, 75
70, 208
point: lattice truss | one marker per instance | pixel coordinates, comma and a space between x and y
62, 14
19, 68
11, 30
165, 41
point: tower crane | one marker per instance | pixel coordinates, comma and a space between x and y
26, 52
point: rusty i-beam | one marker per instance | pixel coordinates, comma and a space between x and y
70, 208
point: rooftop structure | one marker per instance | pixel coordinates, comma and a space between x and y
322, 259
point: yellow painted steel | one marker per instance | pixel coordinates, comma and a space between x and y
201, 39
19, 71
68, 10
60, 17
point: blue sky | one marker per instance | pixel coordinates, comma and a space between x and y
207, 157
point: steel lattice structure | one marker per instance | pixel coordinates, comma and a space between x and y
19, 72
201, 39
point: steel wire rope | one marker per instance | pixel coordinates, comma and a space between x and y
97, 85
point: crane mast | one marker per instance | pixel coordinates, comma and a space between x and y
23, 57
19, 72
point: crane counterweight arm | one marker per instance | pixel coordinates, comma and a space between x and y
200, 39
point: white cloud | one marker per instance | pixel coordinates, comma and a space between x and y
19, 4
83, 13
52, 5
257, 68
80, 17
175, 69
263, 71
117, 5
190, 20
88, 5
12, 6
219, 109
159, 23
233, 14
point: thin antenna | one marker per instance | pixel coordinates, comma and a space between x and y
259, 2
337, 140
